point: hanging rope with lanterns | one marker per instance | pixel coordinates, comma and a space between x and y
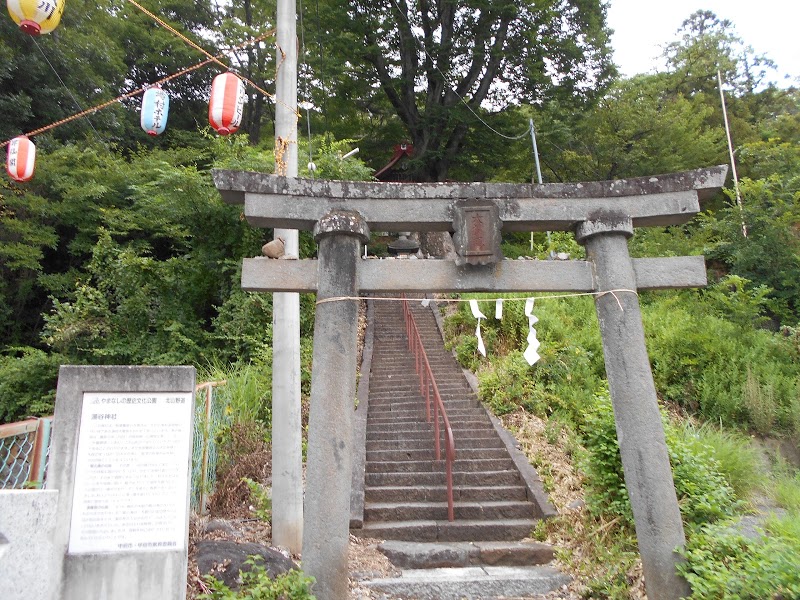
226, 101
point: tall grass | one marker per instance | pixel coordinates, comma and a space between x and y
737, 458
247, 393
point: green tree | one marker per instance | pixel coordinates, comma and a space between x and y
440, 64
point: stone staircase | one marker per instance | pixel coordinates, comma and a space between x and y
498, 497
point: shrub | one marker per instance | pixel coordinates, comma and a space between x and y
28, 379
703, 493
257, 585
737, 459
721, 563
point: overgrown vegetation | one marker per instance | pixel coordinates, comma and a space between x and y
257, 585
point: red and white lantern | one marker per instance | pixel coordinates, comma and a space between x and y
21, 159
226, 104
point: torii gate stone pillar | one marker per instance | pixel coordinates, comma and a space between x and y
601, 214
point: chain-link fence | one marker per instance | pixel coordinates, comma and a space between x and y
24, 453
210, 418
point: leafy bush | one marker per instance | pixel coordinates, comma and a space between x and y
257, 585
703, 493
562, 381
27, 383
721, 563
701, 363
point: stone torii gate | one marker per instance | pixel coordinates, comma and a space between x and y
601, 214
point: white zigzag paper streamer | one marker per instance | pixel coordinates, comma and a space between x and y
476, 312
498, 309
531, 355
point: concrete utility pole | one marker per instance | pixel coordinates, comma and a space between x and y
287, 451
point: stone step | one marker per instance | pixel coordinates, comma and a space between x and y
427, 443
418, 409
425, 426
483, 478
416, 402
416, 555
419, 434
411, 385
428, 454
386, 400
437, 511
449, 531
455, 418
427, 466
438, 493
472, 583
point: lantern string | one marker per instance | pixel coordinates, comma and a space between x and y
202, 50
141, 90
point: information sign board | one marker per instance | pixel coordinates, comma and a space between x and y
132, 472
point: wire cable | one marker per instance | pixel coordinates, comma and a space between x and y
52, 68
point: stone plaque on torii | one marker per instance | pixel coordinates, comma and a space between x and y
602, 216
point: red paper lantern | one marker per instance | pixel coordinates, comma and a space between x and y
226, 104
21, 159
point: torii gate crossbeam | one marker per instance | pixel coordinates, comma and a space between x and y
601, 214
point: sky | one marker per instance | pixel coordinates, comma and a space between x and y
643, 27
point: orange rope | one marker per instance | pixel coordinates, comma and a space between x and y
202, 50
94, 109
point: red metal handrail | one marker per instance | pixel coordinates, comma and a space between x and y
427, 386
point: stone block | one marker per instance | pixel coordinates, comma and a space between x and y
30, 564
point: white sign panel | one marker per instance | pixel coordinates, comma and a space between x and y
132, 472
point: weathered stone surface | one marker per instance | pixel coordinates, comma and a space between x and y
298, 204
387, 276
513, 553
223, 526
477, 233
132, 575
30, 561
412, 555
224, 560
471, 583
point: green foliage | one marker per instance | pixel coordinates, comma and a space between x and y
785, 490
733, 298
769, 256
701, 362
257, 585
246, 394
703, 493
737, 459
326, 154
721, 563
27, 383
261, 499
563, 380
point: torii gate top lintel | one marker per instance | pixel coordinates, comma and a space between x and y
297, 203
